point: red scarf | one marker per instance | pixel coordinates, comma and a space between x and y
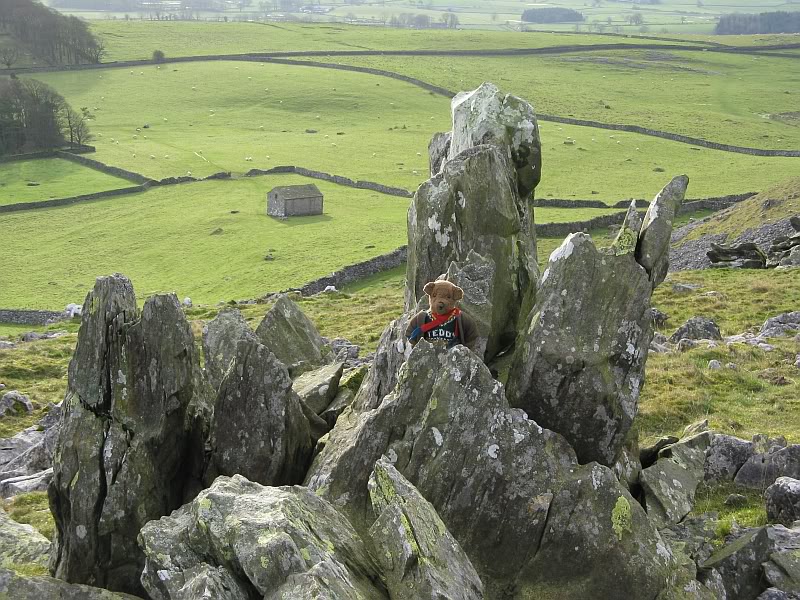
439, 320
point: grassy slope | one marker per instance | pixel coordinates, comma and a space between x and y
173, 248
371, 112
57, 178
776, 203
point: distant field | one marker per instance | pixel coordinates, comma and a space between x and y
56, 178
371, 113
726, 98
163, 240
128, 40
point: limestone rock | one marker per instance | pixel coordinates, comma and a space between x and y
476, 276
318, 388
258, 429
488, 116
696, 534
745, 255
261, 542
419, 557
438, 149
579, 362
21, 544
349, 385
393, 349
782, 500
473, 206
761, 470
776, 594
739, 564
547, 522
782, 570
293, 338
725, 457
220, 336
34, 458
18, 587
628, 235
780, 325
696, 328
123, 455
669, 485
793, 258
652, 249
22, 484
14, 403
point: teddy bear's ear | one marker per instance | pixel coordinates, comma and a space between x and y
458, 293
429, 287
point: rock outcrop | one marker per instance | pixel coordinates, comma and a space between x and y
579, 362
21, 545
19, 587
123, 455
419, 557
244, 540
547, 523
292, 337
782, 500
696, 328
220, 337
258, 429
745, 255
652, 250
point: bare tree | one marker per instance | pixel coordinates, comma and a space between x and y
8, 56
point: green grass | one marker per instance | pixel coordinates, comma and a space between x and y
722, 97
374, 126
131, 40
31, 509
56, 178
712, 499
371, 111
162, 239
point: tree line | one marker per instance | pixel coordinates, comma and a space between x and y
52, 37
552, 14
33, 117
768, 22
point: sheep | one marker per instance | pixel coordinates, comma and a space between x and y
165, 119
189, 173
261, 127
166, 156
419, 153
135, 136
134, 155
152, 157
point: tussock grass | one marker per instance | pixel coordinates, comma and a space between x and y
31, 509
712, 499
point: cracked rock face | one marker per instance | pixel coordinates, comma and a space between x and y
488, 116
473, 206
258, 429
782, 501
510, 492
419, 557
18, 587
579, 363
254, 541
123, 455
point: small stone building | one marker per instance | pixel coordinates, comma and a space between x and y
294, 200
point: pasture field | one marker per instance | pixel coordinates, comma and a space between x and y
386, 127
56, 178
132, 40
169, 239
734, 99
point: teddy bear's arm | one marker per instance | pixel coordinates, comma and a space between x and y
470, 333
417, 321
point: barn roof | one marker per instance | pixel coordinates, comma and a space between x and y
292, 192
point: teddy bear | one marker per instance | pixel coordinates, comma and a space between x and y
444, 322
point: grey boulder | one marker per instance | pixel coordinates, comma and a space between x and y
257, 541
293, 338
19, 587
697, 328
418, 556
258, 429
782, 501
579, 362
318, 388
762, 469
220, 337
725, 457
14, 403
21, 544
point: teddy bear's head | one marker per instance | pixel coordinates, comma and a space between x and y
443, 296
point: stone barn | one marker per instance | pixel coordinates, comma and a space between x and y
294, 200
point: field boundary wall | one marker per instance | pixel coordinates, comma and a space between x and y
30, 317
